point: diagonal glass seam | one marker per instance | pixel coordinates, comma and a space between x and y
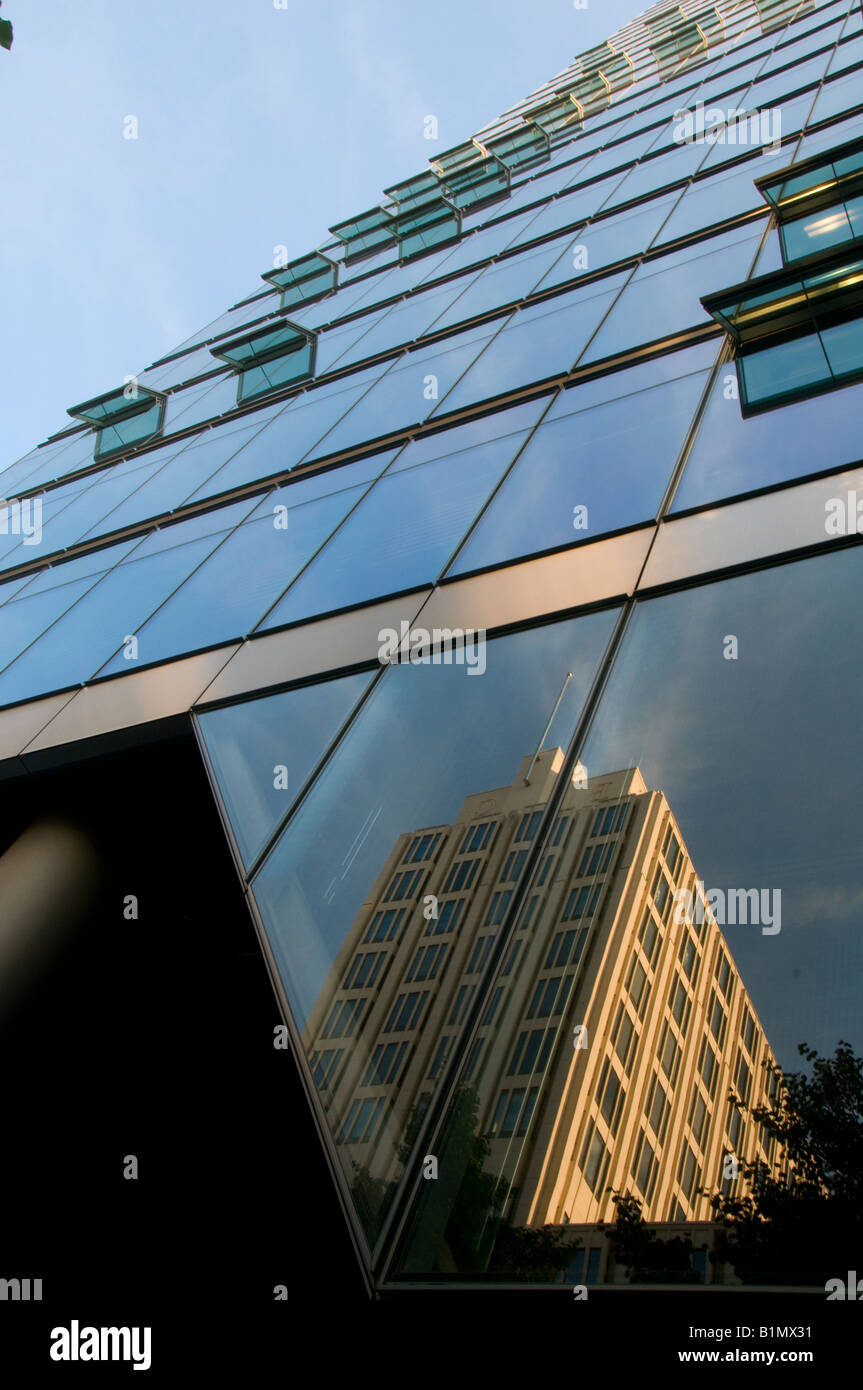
433, 1125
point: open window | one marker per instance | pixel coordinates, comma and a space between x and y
271, 357
799, 331
366, 234
677, 40
122, 418
818, 203
305, 279
521, 148
424, 217
472, 176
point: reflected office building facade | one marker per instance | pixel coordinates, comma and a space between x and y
663, 1029
583, 396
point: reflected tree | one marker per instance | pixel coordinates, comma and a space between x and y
647, 1257
800, 1220
459, 1226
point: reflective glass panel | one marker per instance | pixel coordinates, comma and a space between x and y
587, 473
403, 533
333, 888
733, 455
262, 752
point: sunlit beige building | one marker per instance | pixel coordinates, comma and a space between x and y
616, 1030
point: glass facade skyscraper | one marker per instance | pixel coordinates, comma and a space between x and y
502, 555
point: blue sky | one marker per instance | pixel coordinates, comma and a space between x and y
257, 126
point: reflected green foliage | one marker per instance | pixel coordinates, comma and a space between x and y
5, 34
460, 1229
801, 1220
647, 1258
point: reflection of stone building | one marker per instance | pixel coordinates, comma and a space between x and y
613, 1035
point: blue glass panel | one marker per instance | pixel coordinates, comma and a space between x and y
656, 370
771, 90
335, 342
761, 130
294, 429
569, 209
828, 138
536, 343
715, 199
610, 239
178, 370
45, 599
732, 455
770, 255
402, 534
479, 431
406, 393
197, 403
40, 465
234, 320
306, 488
546, 182
23, 620
854, 211
75, 647
663, 296
503, 282
219, 519
847, 55
816, 232
347, 300
801, 48
674, 710
423, 718
32, 528
404, 322
653, 174
225, 597
76, 455
247, 742
13, 586
624, 153
614, 460
83, 566
480, 246
166, 484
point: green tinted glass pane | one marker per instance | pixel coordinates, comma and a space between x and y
787, 367
118, 405
126, 433
284, 337
844, 347
817, 232
521, 150
280, 371
445, 229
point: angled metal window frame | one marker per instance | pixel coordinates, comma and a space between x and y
787, 305
366, 234
472, 176
132, 401
300, 280
303, 339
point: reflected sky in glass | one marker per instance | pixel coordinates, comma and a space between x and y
760, 760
